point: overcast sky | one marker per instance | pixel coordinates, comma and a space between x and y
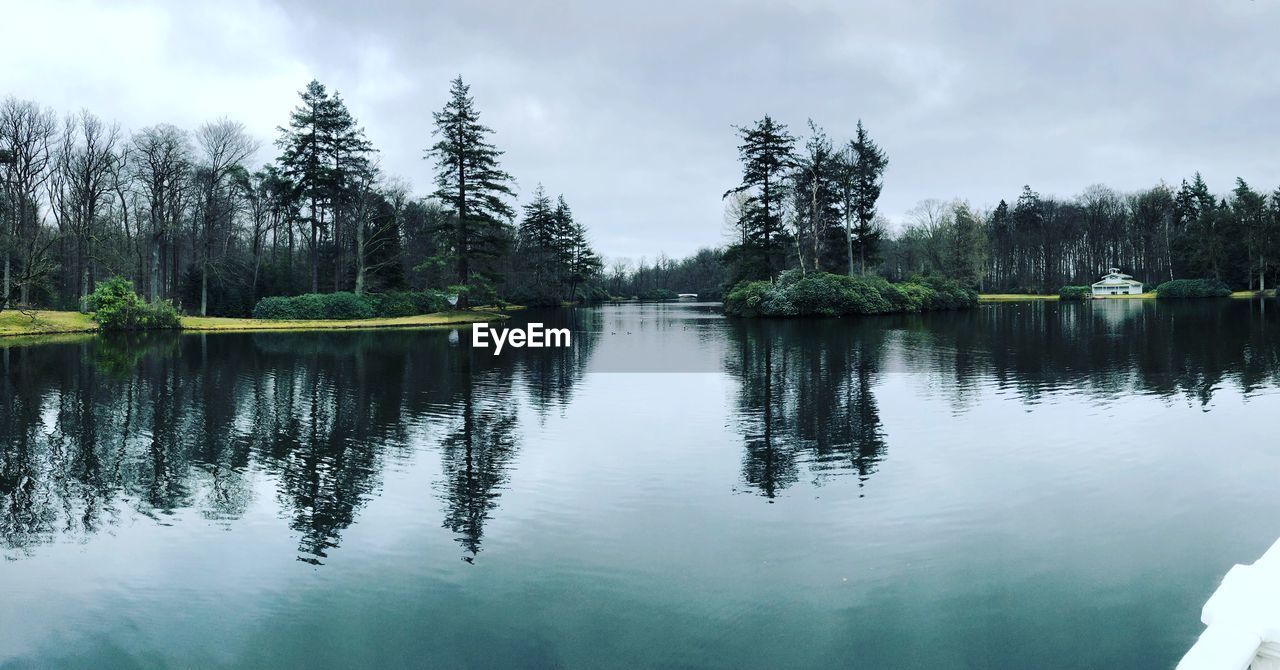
627, 108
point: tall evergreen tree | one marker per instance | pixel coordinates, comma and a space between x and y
767, 154
473, 185
539, 240
1254, 218
350, 173
582, 264
305, 161
817, 202
866, 164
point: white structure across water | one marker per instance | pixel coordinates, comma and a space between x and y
1243, 619
1115, 283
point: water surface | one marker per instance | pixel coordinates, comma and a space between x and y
1023, 485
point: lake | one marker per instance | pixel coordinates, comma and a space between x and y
1022, 485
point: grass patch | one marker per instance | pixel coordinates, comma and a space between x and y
216, 323
42, 322
1014, 297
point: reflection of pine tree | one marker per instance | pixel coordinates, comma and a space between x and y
807, 397
769, 464
476, 457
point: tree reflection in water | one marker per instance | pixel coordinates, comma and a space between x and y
806, 400
100, 430
158, 424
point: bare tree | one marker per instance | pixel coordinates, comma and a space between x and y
224, 146
81, 184
27, 135
161, 167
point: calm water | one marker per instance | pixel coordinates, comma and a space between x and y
1024, 485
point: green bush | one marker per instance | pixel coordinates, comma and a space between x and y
1075, 292
826, 294
348, 306
344, 306
656, 294
407, 303
276, 307
746, 297
116, 307
1193, 288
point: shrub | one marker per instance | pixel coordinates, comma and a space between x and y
1075, 292
275, 307
658, 294
948, 293
746, 298
826, 294
347, 306
407, 303
116, 307
1193, 288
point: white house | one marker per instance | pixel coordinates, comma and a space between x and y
1114, 283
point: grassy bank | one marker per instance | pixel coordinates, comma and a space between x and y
27, 324
1019, 297
1150, 295
1013, 297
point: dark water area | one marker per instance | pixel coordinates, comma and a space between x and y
1022, 485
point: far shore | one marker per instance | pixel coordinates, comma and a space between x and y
1149, 295
25, 324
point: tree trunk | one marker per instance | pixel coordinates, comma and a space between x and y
155, 269
204, 288
315, 259
4, 299
464, 270
359, 258
848, 238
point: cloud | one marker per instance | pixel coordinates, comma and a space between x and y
627, 107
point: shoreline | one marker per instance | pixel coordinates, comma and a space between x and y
1149, 295
43, 323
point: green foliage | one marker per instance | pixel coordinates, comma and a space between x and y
1075, 292
746, 298
115, 306
344, 306
348, 306
826, 294
276, 307
1193, 288
656, 294
767, 154
407, 303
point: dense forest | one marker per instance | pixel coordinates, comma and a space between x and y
188, 218
812, 206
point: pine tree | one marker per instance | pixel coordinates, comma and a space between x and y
866, 165
817, 201
305, 147
767, 156
538, 241
473, 186
350, 171
582, 263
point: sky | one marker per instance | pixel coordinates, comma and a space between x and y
629, 109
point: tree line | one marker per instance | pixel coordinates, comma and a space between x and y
811, 205
186, 217
1042, 243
